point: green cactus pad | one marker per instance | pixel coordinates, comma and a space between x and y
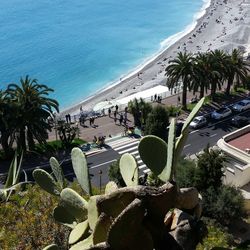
74, 203
110, 187
93, 212
81, 169
51, 247
114, 203
167, 172
129, 170
57, 171
84, 244
184, 135
63, 216
79, 232
101, 229
45, 181
153, 152
127, 233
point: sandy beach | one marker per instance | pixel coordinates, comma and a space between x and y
225, 25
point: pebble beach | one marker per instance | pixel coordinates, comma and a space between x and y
225, 25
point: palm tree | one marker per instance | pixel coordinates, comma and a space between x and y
7, 123
201, 72
140, 110
180, 68
34, 109
218, 61
237, 69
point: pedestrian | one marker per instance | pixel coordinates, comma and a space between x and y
115, 113
155, 97
116, 108
90, 121
66, 117
81, 109
93, 120
121, 119
69, 118
109, 112
115, 119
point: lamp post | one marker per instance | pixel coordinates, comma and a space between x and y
100, 180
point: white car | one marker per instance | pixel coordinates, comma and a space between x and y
221, 113
241, 105
198, 122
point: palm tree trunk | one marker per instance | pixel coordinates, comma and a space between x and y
31, 143
184, 96
4, 142
22, 140
229, 82
201, 91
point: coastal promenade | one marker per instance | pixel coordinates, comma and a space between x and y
105, 125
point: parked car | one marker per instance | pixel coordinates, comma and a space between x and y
241, 105
240, 121
221, 113
198, 122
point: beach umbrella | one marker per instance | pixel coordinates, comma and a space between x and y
104, 105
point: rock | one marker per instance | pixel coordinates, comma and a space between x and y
186, 230
187, 198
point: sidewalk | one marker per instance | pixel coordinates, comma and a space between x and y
107, 127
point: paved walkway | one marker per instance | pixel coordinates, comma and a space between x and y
105, 126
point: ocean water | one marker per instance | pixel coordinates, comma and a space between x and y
78, 47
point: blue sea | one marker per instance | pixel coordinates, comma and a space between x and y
78, 47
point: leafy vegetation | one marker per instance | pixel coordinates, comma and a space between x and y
24, 114
26, 221
157, 122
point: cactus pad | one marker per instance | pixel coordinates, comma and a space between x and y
74, 203
51, 247
110, 187
101, 229
79, 232
93, 212
45, 181
63, 216
81, 169
129, 170
57, 171
84, 244
153, 152
114, 203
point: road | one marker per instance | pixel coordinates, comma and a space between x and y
99, 163
197, 140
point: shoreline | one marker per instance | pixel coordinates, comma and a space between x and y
197, 36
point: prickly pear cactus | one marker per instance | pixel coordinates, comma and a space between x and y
149, 146
129, 170
46, 181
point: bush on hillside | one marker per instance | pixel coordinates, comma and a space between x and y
26, 221
224, 204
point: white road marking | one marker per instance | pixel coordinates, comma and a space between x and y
127, 150
127, 145
96, 166
212, 135
188, 145
192, 132
142, 166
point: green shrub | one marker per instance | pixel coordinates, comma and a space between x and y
185, 173
173, 110
216, 237
223, 204
26, 221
